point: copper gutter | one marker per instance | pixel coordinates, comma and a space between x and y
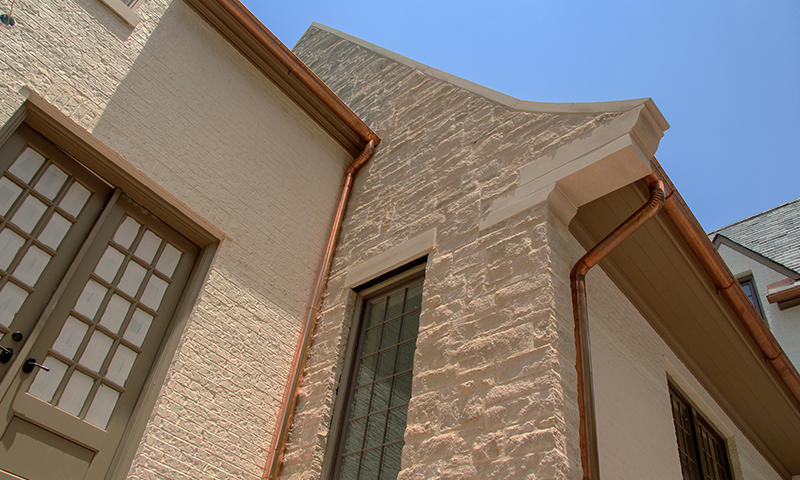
583, 363
331, 101
680, 215
284, 422
297, 68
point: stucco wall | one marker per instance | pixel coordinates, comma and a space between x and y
785, 324
185, 108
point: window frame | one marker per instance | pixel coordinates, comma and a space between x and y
699, 423
396, 279
756, 301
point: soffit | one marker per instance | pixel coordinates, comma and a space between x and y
235, 33
656, 270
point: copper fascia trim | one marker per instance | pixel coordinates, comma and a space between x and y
784, 295
590, 461
690, 230
289, 402
297, 68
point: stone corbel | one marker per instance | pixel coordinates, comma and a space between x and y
595, 164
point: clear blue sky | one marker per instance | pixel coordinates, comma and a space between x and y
725, 74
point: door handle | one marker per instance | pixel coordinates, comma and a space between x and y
30, 363
6, 354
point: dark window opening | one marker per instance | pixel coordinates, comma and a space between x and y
701, 449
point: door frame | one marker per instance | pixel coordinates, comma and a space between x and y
59, 129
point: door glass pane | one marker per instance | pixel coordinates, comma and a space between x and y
154, 292
132, 278
9, 191
148, 246
32, 265
127, 232
115, 313
55, 231
96, 351
29, 214
75, 393
90, 298
109, 264
121, 365
102, 406
71, 336
27, 164
51, 182
168, 260
10, 244
11, 298
138, 327
46, 383
75, 199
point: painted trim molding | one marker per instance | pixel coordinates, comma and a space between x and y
599, 162
387, 261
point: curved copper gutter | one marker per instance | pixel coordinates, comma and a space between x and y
727, 285
583, 364
297, 68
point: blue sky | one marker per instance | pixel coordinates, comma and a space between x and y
725, 74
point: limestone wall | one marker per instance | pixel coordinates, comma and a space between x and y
494, 380
180, 104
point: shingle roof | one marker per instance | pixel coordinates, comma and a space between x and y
774, 234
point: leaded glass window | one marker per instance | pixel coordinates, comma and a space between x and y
381, 385
701, 449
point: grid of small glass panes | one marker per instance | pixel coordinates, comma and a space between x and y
377, 420
39, 204
94, 353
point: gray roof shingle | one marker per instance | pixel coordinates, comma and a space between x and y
774, 234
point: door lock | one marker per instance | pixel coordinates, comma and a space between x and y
6, 354
30, 363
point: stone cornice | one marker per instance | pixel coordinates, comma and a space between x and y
603, 160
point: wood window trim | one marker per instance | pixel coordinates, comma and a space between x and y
386, 282
698, 419
50, 122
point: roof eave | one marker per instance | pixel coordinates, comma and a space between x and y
270, 56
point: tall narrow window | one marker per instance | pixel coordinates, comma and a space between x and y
749, 288
380, 387
702, 450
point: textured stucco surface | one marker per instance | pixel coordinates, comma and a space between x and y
180, 104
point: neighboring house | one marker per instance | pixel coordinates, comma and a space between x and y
763, 253
190, 216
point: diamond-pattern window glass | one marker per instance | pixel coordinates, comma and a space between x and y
376, 422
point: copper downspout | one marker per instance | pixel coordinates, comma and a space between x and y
317, 87
583, 364
301, 352
726, 284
